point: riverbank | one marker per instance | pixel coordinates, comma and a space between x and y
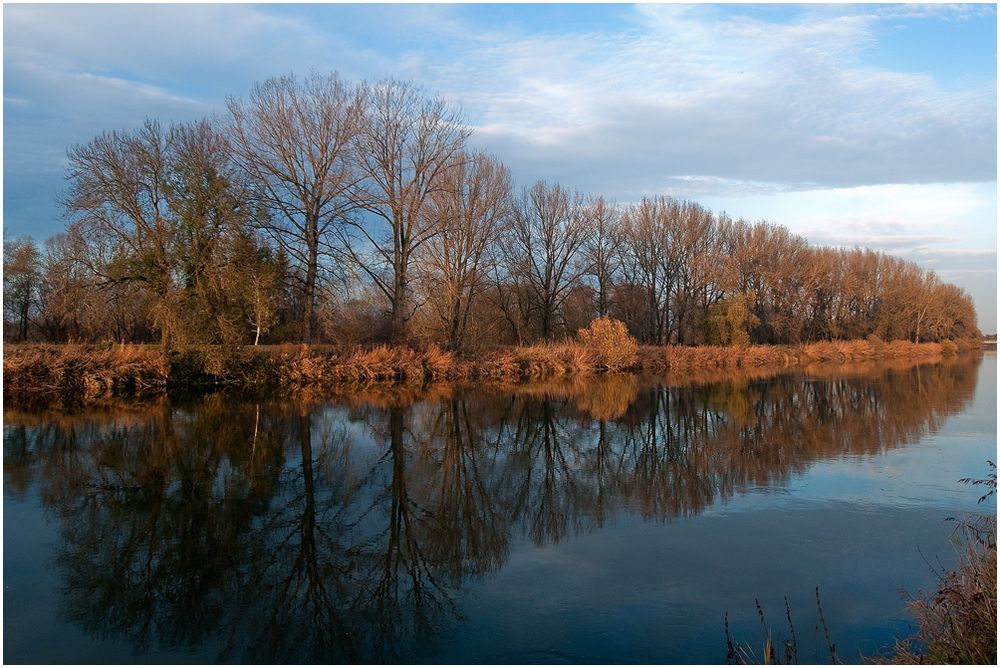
90, 371
956, 623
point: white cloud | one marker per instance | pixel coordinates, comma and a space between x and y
158, 40
682, 90
685, 92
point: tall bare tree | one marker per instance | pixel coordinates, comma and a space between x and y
406, 146
694, 232
118, 196
469, 212
651, 228
548, 231
603, 249
66, 303
292, 138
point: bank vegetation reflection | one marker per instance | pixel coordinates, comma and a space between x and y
308, 531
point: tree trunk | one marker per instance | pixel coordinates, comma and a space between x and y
547, 319
309, 295
23, 328
602, 298
399, 306
455, 330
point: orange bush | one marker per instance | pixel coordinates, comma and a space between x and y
609, 343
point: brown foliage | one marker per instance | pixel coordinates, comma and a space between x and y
87, 371
609, 343
958, 623
90, 372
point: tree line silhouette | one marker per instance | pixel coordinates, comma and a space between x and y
318, 210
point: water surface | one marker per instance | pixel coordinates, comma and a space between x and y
603, 520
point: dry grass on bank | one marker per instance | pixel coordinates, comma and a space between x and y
678, 358
957, 624
99, 371
87, 371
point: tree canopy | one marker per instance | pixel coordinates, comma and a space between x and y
320, 210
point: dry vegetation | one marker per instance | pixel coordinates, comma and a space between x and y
90, 372
677, 358
958, 622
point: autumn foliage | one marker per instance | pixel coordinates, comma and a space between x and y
609, 343
94, 371
323, 211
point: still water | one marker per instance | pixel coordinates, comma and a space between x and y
607, 520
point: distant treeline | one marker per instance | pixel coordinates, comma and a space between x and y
321, 211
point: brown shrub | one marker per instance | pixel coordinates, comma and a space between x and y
609, 344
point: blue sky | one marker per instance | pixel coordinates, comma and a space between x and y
870, 125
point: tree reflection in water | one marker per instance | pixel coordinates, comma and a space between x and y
306, 531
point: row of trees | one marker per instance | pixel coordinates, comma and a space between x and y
317, 210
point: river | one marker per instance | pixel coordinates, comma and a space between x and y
602, 520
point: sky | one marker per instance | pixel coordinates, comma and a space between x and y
852, 125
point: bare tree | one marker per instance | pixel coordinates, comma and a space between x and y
548, 231
603, 249
650, 230
65, 302
293, 139
469, 212
406, 146
693, 236
118, 195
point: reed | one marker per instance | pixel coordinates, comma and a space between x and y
92, 372
958, 622
676, 358
88, 372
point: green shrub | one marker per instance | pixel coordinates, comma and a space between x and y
729, 322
